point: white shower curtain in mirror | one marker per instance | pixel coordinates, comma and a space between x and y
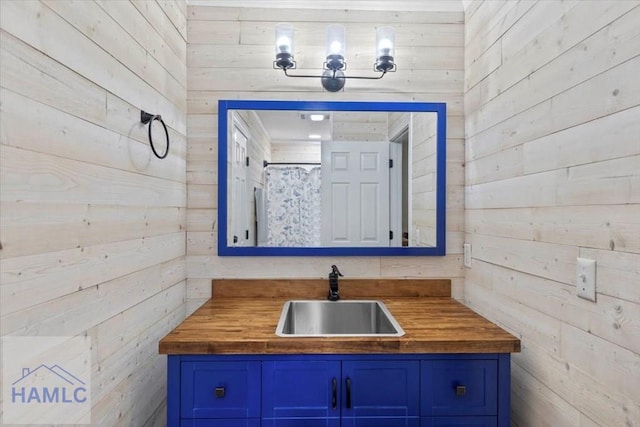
293, 206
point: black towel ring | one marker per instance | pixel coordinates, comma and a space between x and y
149, 118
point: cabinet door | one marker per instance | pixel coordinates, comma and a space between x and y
301, 393
459, 422
380, 393
459, 387
220, 390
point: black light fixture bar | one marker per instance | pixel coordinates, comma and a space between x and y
333, 77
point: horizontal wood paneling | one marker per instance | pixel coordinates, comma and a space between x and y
604, 94
140, 29
261, 81
243, 56
206, 102
552, 174
41, 27
56, 133
116, 41
552, 378
573, 146
613, 45
26, 281
36, 177
70, 226
592, 226
93, 304
93, 226
230, 56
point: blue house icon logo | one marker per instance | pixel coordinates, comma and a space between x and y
48, 384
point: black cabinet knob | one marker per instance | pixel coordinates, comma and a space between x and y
220, 392
461, 390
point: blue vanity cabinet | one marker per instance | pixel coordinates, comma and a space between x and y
354, 390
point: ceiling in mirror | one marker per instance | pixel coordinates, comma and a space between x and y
296, 126
331, 178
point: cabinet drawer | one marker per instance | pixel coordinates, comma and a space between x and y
459, 422
220, 390
459, 387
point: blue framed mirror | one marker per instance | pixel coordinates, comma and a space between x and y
319, 178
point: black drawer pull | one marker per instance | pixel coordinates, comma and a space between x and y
348, 403
461, 390
220, 392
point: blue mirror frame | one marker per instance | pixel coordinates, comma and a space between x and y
224, 106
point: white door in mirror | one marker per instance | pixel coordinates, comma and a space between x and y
355, 193
586, 278
239, 212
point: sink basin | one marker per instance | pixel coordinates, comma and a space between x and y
343, 318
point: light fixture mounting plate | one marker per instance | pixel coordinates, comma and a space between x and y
333, 81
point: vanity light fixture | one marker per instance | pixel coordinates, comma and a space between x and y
333, 77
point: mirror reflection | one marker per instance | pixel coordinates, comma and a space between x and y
326, 178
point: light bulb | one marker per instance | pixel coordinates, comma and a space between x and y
284, 39
335, 48
385, 46
385, 39
335, 40
284, 44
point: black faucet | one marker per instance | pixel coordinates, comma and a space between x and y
334, 294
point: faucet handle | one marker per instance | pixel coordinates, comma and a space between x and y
335, 270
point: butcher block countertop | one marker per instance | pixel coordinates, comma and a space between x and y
242, 314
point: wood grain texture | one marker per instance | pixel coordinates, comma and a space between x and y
317, 288
552, 173
93, 225
242, 315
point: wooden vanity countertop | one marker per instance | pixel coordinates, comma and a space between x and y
242, 315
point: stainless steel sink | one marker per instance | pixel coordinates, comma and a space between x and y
342, 318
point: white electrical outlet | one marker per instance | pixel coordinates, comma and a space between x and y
467, 254
586, 278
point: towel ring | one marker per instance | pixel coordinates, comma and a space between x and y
149, 118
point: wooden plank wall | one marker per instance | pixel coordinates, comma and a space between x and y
423, 180
552, 110
230, 55
93, 226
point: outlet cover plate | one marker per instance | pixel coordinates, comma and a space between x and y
586, 278
467, 255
